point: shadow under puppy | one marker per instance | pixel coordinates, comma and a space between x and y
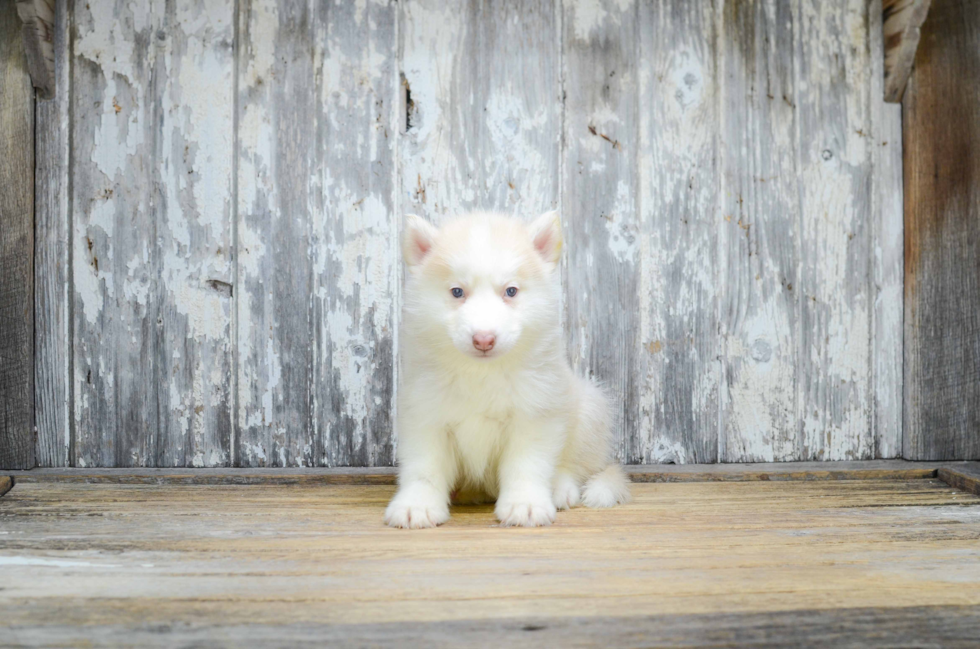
488, 407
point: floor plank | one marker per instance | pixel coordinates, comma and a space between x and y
931, 626
709, 562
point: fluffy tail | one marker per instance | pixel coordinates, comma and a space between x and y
607, 488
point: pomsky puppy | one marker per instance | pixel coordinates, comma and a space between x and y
489, 408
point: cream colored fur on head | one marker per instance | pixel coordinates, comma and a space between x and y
488, 407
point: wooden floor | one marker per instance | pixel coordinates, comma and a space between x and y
852, 562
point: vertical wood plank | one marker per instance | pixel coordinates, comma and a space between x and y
600, 181
52, 259
16, 247
355, 231
152, 132
483, 110
888, 277
194, 155
276, 150
759, 241
835, 148
887, 252
678, 190
942, 237
114, 333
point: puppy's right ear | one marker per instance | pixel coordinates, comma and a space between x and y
417, 239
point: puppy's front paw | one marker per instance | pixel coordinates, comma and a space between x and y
566, 494
416, 514
525, 512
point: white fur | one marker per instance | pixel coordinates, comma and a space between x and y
513, 424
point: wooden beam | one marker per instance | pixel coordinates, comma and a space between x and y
941, 128
759, 472
16, 248
223, 476
38, 33
784, 471
902, 20
964, 476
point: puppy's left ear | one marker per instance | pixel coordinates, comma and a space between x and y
546, 236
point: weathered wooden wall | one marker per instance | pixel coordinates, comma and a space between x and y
228, 194
942, 238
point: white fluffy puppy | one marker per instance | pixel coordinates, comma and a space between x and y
488, 407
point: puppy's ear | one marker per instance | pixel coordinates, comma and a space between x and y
417, 239
546, 236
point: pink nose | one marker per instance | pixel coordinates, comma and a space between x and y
484, 340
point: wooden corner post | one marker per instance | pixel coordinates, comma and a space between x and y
16, 247
941, 147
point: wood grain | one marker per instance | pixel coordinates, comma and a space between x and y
942, 238
152, 214
194, 225
115, 381
52, 259
760, 234
482, 108
276, 148
835, 148
355, 232
952, 626
202, 562
317, 234
600, 149
16, 248
678, 158
887, 243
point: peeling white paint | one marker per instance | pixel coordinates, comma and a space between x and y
589, 15
620, 227
505, 159
687, 79
667, 452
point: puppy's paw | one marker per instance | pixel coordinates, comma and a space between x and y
416, 514
527, 512
566, 494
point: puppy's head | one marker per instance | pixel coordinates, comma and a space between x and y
482, 284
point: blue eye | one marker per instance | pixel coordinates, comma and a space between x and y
511, 291
457, 292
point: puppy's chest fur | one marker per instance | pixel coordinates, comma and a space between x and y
481, 412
